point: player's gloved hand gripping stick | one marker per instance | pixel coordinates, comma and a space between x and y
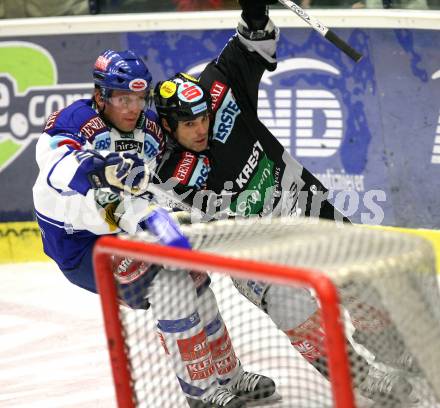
119, 171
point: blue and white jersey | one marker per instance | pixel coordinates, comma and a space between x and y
72, 216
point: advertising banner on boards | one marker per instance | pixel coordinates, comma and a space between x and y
370, 131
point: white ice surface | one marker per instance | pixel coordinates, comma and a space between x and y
52, 345
53, 351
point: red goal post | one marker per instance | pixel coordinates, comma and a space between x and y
195, 260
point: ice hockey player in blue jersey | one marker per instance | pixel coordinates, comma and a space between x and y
86, 153
95, 158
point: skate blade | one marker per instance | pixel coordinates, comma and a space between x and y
273, 399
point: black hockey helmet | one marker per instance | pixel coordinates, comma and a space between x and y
181, 98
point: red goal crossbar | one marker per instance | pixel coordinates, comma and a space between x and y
326, 292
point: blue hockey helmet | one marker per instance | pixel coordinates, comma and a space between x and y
181, 98
122, 70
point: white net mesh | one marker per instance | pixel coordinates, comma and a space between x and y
388, 286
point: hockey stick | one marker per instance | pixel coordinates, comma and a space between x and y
322, 29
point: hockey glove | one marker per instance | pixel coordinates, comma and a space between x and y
161, 224
121, 172
256, 3
255, 13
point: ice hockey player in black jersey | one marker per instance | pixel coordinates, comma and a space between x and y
227, 163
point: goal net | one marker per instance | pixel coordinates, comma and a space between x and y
337, 315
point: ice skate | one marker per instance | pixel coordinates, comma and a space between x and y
219, 397
389, 390
253, 387
404, 363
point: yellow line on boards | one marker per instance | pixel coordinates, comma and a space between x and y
433, 236
21, 242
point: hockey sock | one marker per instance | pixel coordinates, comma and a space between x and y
308, 338
182, 332
226, 364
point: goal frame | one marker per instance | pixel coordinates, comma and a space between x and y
326, 292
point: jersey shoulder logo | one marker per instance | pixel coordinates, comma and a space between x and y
225, 118
185, 167
218, 90
50, 124
92, 127
200, 173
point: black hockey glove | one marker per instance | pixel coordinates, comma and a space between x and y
255, 13
255, 3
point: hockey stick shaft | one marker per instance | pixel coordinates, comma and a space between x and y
322, 29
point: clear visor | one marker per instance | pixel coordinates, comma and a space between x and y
128, 102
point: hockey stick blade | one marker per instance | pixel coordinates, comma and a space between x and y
323, 30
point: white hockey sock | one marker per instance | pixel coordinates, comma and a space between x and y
226, 364
174, 305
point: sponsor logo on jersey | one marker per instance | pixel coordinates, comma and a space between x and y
185, 167
225, 118
217, 92
138, 84
126, 145
250, 166
257, 180
153, 127
189, 92
51, 120
200, 173
92, 127
151, 146
102, 141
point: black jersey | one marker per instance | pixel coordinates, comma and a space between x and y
246, 169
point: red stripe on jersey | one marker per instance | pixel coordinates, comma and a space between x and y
218, 90
70, 142
185, 167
